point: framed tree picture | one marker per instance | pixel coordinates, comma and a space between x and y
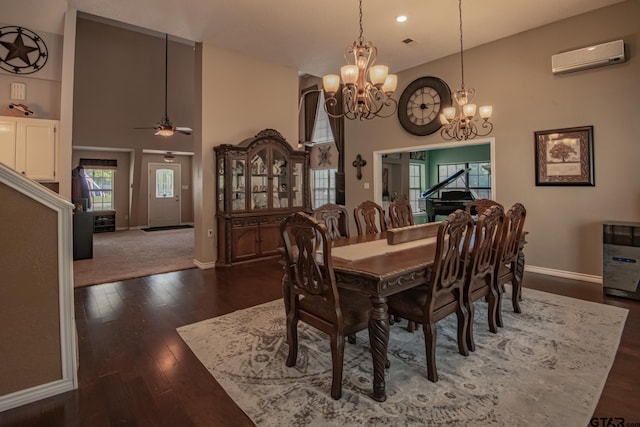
564, 156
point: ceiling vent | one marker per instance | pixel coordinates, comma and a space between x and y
588, 57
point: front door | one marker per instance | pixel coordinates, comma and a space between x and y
164, 195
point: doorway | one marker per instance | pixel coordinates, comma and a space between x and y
384, 159
164, 195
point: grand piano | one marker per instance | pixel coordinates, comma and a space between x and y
448, 201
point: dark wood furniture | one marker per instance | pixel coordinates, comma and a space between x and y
104, 221
511, 265
82, 235
335, 217
485, 254
444, 293
311, 294
478, 206
261, 181
369, 218
400, 213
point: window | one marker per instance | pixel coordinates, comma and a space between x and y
322, 130
323, 181
476, 179
100, 183
164, 183
324, 186
415, 184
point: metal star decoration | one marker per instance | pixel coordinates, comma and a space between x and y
19, 44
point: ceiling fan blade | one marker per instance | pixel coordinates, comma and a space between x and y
155, 127
184, 130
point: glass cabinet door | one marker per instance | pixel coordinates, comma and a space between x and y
259, 180
237, 185
221, 184
296, 190
280, 187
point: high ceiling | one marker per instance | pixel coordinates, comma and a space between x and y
311, 35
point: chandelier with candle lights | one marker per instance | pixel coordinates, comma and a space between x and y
458, 123
361, 98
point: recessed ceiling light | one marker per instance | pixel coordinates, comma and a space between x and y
401, 18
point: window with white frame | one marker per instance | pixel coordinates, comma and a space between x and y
416, 171
100, 182
477, 179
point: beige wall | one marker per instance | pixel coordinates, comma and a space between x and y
514, 75
123, 88
240, 97
29, 298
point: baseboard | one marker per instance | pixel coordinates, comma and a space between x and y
204, 265
563, 274
33, 394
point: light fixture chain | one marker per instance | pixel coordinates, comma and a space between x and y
461, 47
361, 38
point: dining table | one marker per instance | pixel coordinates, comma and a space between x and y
370, 265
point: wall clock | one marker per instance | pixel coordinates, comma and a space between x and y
21, 50
421, 103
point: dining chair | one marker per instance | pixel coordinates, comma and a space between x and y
484, 256
400, 213
335, 217
444, 292
312, 296
478, 206
507, 269
369, 218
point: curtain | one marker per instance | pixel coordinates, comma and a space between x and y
310, 96
337, 128
99, 163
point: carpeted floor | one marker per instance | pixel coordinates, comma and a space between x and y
133, 253
547, 366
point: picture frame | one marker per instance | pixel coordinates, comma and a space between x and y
564, 156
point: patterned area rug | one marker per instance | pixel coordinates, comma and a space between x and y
547, 366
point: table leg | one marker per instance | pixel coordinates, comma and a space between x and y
378, 341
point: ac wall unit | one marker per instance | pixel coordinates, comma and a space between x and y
588, 57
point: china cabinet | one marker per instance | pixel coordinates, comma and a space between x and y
261, 180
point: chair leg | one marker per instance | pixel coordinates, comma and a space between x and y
471, 345
493, 310
499, 291
463, 324
411, 326
430, 350
337, 358
292, 338
516, 290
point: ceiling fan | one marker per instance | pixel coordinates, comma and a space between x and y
165, 127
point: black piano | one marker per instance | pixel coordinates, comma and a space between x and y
448, 201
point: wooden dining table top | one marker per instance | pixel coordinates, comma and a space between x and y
383, 274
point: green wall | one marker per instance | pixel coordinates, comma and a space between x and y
473, 153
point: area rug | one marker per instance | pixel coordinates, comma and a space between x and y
122, 255
547, 366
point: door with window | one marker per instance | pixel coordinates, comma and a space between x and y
164, 195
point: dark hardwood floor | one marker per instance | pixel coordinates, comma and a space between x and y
135, 370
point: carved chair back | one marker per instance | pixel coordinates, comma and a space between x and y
336, 218
400, 213
478, 206
369, 218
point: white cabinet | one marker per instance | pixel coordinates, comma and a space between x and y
29, 146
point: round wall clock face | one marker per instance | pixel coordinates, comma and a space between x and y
21, 50
421, 103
